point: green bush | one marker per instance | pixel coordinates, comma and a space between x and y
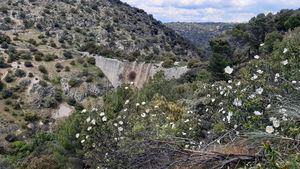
91, 60
28, 64
20, 73
43, 69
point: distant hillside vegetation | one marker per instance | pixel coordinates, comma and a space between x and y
200, 33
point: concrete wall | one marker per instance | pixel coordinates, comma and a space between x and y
118, 72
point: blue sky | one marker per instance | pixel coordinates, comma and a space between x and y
211, 10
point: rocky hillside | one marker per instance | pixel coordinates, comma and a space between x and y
200, 33
107, 27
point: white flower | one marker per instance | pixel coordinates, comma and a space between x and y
285, 62
235, 126
269, 106
83, 111
238, 83
294, 82
125, 110
93, 122
183, 133
89, 128
260, 71
94, 109
120, 129
237, 102
262, 44
143, 114
102, 114
116, 124
257, 113
259, 90
228, 70
284, 118
77, 135
256, 57
126, 88
269, 129
131, 83
156, 106
285, 50
254, 77
147, 110
137, 104
121, 122
229, 81
82, 141
186, 121
252, 96
276, 123
88, 119
213, 100
104, 118
229, 116
143, 103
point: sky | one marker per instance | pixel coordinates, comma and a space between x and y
211, 10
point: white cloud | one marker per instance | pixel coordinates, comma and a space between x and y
210, 10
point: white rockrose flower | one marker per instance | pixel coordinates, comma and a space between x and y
89, 128
143, 103
257, 113
104, 118
228, 70
120, 129
77, 135
285, 62
254, 77
256, 57
137, 104
237, 102
83, 111
127, 101
102, 114
93, 122
88, 119
276, 123
143, 115
82, 141
259, 91
270, 129
285, 50
260, 71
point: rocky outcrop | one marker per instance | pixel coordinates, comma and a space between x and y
85, 89
119, 72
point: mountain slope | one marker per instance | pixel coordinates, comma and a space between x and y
107, 27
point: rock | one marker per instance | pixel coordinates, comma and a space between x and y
11, 138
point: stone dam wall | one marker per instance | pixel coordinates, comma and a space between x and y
119, 72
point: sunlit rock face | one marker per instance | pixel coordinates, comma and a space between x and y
119, 72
